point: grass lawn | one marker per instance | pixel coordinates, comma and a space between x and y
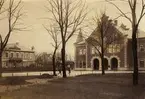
109, 86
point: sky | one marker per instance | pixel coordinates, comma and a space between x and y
38, 37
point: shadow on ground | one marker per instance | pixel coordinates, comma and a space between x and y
110, 86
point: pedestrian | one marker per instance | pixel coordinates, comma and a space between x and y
69, 69
59, 68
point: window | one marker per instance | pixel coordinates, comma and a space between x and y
141, 48
141, 62
17, 55
110, 49
118, 48
115, 48
7, 64
84, 64
84, 51
21, 55
95, 50
28, 55
7, 55
25, 55
80, 64
80, 52
12, 55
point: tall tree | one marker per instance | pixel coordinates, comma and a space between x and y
13, 12
104, 36
68, 15
53, 32
135, 20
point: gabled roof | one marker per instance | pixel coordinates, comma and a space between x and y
126, 32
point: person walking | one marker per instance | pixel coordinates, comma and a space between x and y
69, 69
59, 67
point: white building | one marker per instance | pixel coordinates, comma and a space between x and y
15, 55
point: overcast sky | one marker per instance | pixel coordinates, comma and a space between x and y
39, 38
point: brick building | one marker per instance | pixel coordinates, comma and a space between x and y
15, 55
117, 57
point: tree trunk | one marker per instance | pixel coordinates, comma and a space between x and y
102, 51
0, 64
135, 58
63, 60
54, 63
102, 61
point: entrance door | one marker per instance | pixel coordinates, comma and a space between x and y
114, 63
96, 64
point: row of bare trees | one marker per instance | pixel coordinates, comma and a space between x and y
68, 17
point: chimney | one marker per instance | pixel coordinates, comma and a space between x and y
116, 22
32, 48
17, 43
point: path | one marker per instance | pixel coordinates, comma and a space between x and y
73, 73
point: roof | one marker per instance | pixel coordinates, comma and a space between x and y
123, 30
17, 47
82, 42
141, 33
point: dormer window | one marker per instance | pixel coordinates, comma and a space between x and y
141, 48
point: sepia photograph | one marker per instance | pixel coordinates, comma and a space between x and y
72, 49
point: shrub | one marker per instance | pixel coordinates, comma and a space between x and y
15, 80
46, 76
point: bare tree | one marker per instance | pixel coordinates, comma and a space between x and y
43, 59
68, 15
54, 35
103, 36
135, 21
13, 12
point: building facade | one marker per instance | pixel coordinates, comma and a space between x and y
15, 55
118, 56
